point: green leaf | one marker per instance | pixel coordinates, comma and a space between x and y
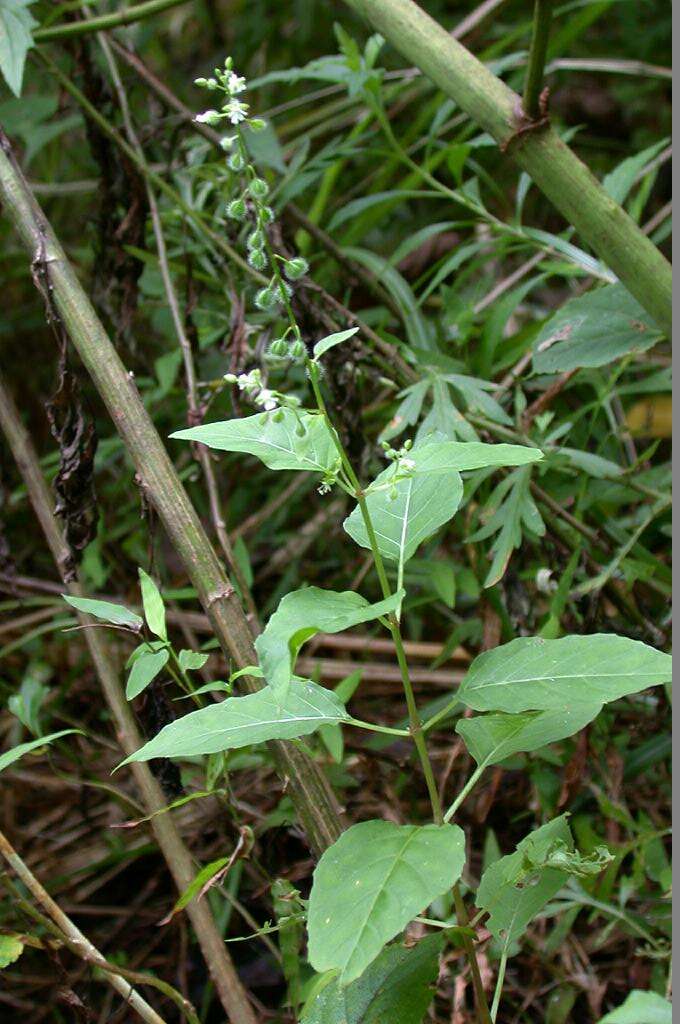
397, 987
105, 610
532, 674
367, 887
325, 344
11, 948
300, 616
240, 721
16, 39
154, 610
593, 330
10, 756
301, 441
191, 661
509, 512
641, 1008
515, 888
144, 670
619, 182
492, 738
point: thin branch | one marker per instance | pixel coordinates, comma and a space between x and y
113, 20
533, 85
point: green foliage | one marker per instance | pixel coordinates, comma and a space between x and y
303, 614
493, 738
16, 39
12, 755
641, 1008
371, 883
11, 948
532, 674
397, 986
240, 721
116, 614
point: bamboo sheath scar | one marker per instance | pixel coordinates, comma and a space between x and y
231, 993
314, 801
557, 171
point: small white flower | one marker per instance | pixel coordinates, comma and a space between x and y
236, 111
235, 84
227, 141
267, 400
544, 583
407, 464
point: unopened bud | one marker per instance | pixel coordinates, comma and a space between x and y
236, 209
258, 188
295, 268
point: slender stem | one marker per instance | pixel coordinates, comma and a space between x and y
314, 800
469, 785
564, 179
543, 10
481, 1004
113, 20
498, 992
388, 730
76, 937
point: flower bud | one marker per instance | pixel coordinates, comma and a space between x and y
278, 416
266, 299
236, 209
297, 350
279, 347
236, 161
201, 82
230, 378
256, 124
257, 259
258, 188
266, 214
295, 268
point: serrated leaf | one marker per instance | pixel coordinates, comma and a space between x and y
367, 887
11, 948
16, 39
300, 616
641, 1008
594, 330
515, 888
154, 610
144, 670
10, 756
533, 674
332, 340
105, 610
279, 444
397, 987
240, 721
492, 738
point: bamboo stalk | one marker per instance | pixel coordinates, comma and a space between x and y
557, 171
231, 993
113, 20
315, 804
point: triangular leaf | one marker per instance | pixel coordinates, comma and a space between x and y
144, 670
105, 610
492, 738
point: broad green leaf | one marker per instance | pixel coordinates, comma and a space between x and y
11, 948
154, 610
301, 441
367, 887
300, 616
16, 39
240, 721
332, 340
593, 330
10, 756
191, 661
641, 1008
144, 670
397, 987
515, 888
532, 674
406, 512
105, 610
492, 738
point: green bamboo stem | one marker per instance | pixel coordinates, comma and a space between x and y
228, 986
315, 804
543, 10
113, 20
557, 171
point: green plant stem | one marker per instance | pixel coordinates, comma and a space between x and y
386, 729
469, 785
227, 984
564, 179
543, 10
498, 992
315, 803
104, 21
73, 935
483, 1015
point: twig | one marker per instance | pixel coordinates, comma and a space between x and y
539, 48
104, 21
